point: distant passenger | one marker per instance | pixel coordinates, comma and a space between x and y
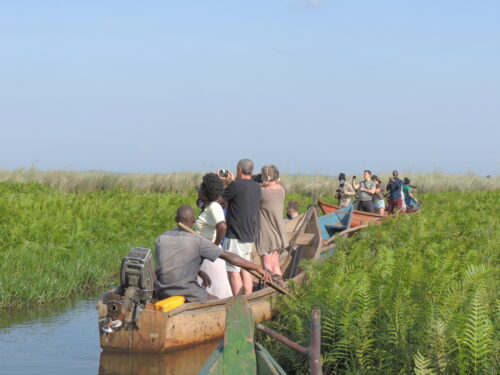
395, 194
378, 197
179, 255
271, 237
292, 210
410, 200
345, 191
242, 196
366, 189
211, 224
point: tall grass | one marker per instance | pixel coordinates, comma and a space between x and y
86, 182
55, 245
418, 294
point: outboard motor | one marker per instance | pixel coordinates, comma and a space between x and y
136, 289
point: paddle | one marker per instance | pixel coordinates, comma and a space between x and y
252, 272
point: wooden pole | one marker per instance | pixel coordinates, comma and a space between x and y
315, 344
283, 339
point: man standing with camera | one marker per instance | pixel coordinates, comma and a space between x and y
366, 189
345, 191
242, 196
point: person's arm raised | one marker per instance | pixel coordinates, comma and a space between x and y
355, 186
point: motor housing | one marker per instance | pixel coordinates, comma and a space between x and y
137, 271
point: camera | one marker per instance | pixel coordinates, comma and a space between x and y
338, 194
258, 178
223, 172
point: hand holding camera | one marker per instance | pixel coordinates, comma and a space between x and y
225, 175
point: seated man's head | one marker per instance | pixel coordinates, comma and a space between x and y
244, 168
211, 188
367, 174
292, 209
185, 215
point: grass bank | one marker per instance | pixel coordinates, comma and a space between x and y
55, 245
418, 294
87, 182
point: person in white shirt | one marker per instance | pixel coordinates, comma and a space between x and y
211, 224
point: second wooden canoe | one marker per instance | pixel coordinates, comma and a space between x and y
358, 217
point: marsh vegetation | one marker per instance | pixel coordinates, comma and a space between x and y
418, 294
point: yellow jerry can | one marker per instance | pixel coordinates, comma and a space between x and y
169, 303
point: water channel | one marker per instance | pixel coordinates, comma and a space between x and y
65, 340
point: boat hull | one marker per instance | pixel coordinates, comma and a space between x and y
162, 332
359, 218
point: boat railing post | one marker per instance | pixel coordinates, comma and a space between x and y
315, 344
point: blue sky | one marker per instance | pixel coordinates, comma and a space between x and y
311, 86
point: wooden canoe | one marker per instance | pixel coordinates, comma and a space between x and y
358, 217
195, 323
336, 221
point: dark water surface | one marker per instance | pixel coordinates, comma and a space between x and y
65, 340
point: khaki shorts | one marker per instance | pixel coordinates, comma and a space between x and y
242, 249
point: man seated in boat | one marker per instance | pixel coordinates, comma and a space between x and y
179, 255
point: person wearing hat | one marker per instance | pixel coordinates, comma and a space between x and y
345, 191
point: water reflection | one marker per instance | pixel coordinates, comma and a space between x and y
64, 339
188, 361
51, 340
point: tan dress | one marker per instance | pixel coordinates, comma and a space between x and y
271, 233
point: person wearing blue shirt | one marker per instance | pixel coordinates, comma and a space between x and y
394, 187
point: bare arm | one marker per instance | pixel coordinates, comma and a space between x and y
369, 191
220, 232
240, 262
205, 278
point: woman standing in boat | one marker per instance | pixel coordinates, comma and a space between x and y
271, 236
211, 224
378, 197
